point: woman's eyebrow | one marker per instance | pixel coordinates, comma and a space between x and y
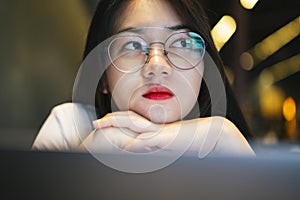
178, 27
136, 30
129, 29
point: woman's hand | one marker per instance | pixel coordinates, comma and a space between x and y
117, 130
131, 132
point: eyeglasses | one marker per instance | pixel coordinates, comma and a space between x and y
129, 53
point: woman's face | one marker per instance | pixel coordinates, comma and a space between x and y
158, 91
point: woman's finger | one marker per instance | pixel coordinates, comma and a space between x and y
152, 141
108, 140
126, 119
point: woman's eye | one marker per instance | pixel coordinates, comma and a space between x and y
134, 46
181, 43
188, 43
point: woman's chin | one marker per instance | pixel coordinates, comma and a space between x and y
159, 116
159, 113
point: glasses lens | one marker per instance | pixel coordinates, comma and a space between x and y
185, 50
128, 53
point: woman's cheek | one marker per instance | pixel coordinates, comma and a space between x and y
121, 87
122, 96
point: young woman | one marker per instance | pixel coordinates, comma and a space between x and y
159, 87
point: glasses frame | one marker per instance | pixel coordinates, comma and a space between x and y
149, 48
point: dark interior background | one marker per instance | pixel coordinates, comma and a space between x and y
42, 44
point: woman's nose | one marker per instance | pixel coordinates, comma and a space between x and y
157, 64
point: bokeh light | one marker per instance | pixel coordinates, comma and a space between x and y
289, 109
248, 4
223, 31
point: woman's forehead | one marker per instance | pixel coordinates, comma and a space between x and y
145, 13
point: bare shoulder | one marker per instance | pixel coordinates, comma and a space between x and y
231, 141
70, 108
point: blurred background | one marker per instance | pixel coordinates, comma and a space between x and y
42, 44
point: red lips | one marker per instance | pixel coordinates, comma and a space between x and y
158, 92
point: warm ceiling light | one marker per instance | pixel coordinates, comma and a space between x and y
289, 109
280, 71
223, 31
275, 41
248, 4
246, 61
270, 102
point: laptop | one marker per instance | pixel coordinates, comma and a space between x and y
57, 175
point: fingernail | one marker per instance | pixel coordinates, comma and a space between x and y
95, 124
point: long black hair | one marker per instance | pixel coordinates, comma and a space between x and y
193, 15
